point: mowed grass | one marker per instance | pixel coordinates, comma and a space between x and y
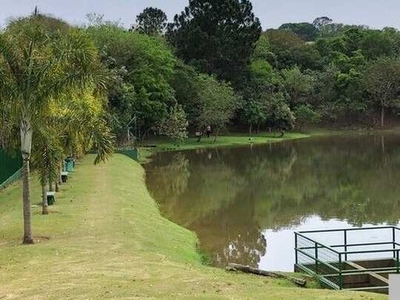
165, 144
105, 239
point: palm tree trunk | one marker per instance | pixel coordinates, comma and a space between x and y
51, 188
26, 146
45, 205
27, 204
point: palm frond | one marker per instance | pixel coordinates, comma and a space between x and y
103, 142
10, 55
47, 154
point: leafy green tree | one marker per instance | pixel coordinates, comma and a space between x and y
305, 115
216, 36
377, 43
218, 103
175, 125
262, 49
297, 84
353, 38
279, 113
306, 57
145, 68
282, 40
332, 30
321, 22
351, 93
184, 83
383, 84
262, 70
41, 59
255, 113
152, 21
262, 60
306, 31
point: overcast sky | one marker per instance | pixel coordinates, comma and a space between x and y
272, 13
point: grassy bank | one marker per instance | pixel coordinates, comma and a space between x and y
163, 144
105, 238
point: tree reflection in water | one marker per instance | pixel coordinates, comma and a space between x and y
229, 196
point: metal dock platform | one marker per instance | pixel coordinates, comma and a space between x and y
350, 259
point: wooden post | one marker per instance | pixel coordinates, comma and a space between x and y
247, 269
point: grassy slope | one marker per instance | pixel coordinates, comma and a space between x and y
108, 240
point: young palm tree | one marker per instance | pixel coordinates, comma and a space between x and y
71, 127
40, 59
47, 154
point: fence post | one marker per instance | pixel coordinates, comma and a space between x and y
393, 240
295, 249
340, 272
397, 262
316, 258
345, 244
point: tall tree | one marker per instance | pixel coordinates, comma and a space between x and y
40, 59
184, 83
216, 36
152, 21
383, 84
283, 40
278, 111
322, 21
175, 125
305, 115
145, 66
297, 84
218, 103
306, 31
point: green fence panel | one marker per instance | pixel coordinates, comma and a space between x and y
131, 153
10, 168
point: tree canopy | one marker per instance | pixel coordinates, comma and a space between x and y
152, 21
217, 36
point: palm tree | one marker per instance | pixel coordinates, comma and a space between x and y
72, 128
41, 58
47, 155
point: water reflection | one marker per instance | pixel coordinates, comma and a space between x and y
234, 199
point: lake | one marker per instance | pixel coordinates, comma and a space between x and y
244, 203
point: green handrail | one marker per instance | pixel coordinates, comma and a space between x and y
310, 249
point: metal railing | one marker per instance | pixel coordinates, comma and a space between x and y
332, 255
11, 179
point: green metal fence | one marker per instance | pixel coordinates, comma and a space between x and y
131, 153
333, 256
10, 168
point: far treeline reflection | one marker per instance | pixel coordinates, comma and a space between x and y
228, 196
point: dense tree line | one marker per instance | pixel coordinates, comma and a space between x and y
214, 57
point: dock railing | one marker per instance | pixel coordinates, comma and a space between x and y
333, 255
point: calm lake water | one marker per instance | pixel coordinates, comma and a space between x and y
244, 203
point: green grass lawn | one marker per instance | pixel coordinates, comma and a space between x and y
164, 144
105, 238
